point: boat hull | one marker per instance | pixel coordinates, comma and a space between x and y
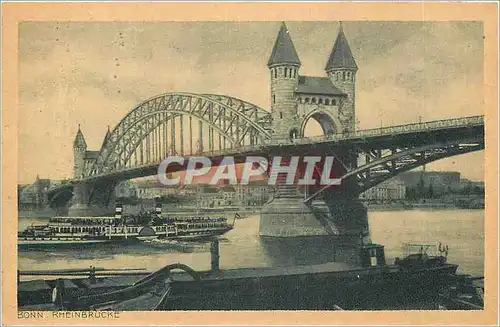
319, 287
26, 243
311, 288
199, 235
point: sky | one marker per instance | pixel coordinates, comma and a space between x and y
94, 73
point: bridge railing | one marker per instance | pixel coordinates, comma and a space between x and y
391, 130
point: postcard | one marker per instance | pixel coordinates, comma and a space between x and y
249, 163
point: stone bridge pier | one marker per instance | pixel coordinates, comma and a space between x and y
92, 199
331, 228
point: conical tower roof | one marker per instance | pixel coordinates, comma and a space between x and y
284, 50
341, 55
79, 140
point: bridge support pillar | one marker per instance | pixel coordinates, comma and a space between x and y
288, 216
296, 233
84, 202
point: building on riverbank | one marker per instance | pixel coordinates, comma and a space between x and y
34, 196
389, 190
254, 194
439, 181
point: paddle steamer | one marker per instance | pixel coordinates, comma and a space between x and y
61, 231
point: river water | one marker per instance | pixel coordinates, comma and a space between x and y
461, 230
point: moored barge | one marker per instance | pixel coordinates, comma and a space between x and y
332, 286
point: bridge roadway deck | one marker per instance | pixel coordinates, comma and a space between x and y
381, 138
409, 135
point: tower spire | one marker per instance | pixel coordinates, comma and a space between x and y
283, 51
341, 55
79, 139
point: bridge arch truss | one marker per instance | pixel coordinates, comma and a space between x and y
382, 164
181, 124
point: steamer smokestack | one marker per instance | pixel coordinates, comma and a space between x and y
118, 210
158, 208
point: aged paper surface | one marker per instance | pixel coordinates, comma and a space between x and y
72, 69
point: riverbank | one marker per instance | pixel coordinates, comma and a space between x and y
469, 204
408, 206
230, 212
244, 212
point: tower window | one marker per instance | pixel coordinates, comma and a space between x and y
320, 101
281, 115
313, 100
307, 100
343, 76
274, 98
327, 102
286, 72
275, 73
334, 102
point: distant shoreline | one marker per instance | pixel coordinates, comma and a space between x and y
420, 206
254, 211
229, 212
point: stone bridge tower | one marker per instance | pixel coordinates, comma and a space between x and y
341, 68
284, 67
79, 153
295, 99
338, 220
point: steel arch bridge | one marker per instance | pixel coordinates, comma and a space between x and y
175, 123
217, 125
